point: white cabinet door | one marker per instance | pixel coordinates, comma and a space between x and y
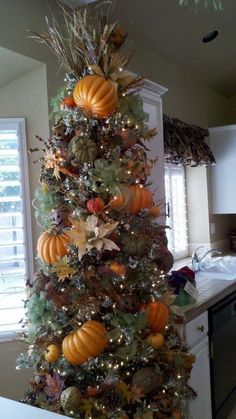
152, 104
223, 145
200, 408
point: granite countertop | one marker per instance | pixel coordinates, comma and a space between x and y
210, 292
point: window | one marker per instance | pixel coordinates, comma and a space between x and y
176, 198
15, 228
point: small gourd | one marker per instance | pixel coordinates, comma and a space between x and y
117, 268
155, 211
156, 340
87, 342
52, 353
83, 150
95, 205
147, 379
70, 400
96, 96
133, 246
69, 102
52, 246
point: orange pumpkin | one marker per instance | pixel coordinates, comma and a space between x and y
96, 96
50, 246
87, 342
132, 199
157, 315
118, 268
52, 353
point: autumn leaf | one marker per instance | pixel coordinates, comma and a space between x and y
87, 235
124, 388
135, 394
168, 297
150, 134
62, 269
86, 407
56, 171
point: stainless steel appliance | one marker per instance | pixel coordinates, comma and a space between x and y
222, 338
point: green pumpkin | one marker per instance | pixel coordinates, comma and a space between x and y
147, 379
134, 246
70, 400
83, 150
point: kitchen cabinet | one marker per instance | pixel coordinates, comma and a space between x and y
196, 334
223, 146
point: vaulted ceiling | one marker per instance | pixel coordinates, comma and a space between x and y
176, 34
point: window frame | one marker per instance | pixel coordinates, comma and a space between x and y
19, 124
181, 254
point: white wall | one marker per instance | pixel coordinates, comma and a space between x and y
25, 97
13, 383
18, 16
193, 102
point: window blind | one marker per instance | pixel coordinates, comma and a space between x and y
176, 197
15, 231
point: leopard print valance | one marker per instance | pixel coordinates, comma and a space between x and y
185, 144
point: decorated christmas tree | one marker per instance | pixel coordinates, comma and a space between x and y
101, 332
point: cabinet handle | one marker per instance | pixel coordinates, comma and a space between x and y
167, 209
201, 328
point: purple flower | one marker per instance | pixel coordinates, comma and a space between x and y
54, 386
180, 277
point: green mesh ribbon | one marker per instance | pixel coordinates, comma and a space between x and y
44, 202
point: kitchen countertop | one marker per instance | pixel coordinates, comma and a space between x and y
210, 292
11, 409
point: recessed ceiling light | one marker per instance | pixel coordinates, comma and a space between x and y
210, 36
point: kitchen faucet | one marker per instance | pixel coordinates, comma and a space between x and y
197, 260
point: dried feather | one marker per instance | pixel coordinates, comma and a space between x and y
85, 42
